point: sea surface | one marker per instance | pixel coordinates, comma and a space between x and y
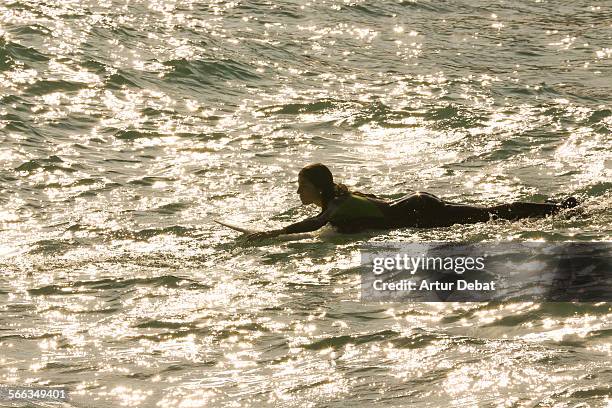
127, 127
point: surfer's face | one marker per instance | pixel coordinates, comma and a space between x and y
308, 192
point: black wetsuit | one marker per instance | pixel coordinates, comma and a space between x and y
353, 213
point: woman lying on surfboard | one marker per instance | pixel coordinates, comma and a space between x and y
352, 211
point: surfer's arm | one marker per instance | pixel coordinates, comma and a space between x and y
307, 225
312, 223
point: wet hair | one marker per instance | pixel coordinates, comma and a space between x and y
321, 177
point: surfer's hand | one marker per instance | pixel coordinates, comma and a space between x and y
262, 235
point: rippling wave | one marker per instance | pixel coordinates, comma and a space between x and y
127, 128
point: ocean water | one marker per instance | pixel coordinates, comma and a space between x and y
126, 127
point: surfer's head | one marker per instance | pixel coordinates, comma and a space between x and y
316, 185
